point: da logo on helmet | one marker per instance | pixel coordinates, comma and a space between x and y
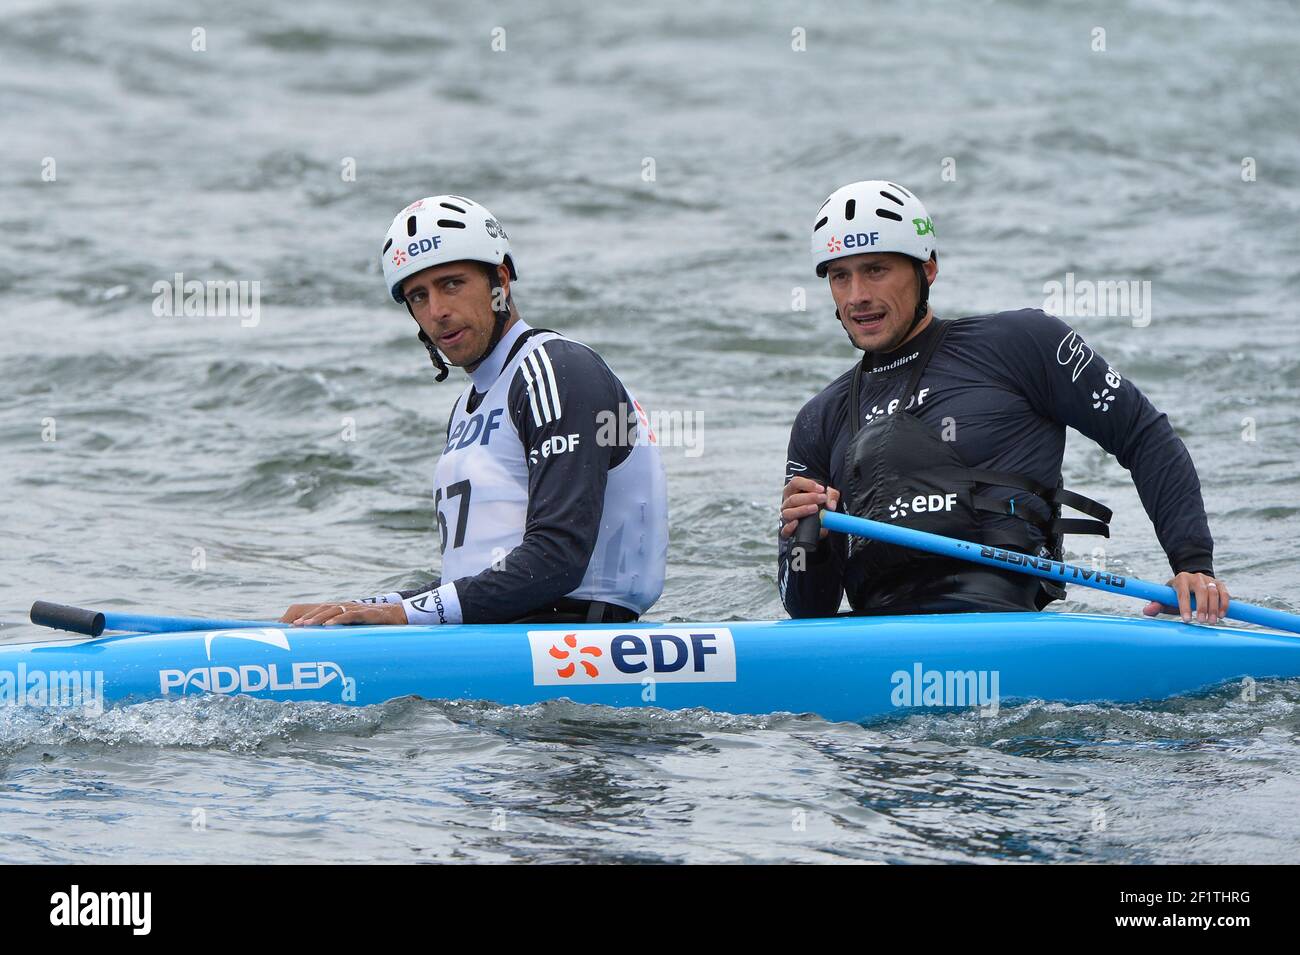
923, 226
494, 228
424, 245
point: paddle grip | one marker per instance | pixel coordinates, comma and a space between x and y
807, 537
63, 617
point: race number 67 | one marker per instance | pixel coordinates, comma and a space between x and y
460, 489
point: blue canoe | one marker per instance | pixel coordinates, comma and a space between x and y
841, 669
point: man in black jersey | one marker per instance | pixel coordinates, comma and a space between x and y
958, 428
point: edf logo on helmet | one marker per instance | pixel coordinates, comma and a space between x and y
853, 240
415, 248
862, 240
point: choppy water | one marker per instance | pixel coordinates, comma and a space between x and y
173, 434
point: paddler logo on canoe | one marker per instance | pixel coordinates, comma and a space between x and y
301, 675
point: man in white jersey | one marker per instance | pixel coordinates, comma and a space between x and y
550, 494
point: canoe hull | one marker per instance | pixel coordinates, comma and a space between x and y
840, 669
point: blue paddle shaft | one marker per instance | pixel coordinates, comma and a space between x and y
93, 622
144, 623
1042, 567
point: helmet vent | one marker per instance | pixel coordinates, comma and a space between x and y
410, 225
448, 205
891, 198
850, 208
894, 185
889, 214
821, 222
387, 245
462, 199
450, 224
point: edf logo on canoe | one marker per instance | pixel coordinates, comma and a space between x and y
577, 657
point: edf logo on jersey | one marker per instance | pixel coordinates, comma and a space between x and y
474, 429
556, 444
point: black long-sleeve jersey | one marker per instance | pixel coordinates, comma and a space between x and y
1002, 388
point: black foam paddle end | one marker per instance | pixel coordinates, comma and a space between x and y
63, 617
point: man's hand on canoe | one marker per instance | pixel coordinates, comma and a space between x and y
803, 497
343, 612
1211, 598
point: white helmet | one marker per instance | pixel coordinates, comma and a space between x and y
440, 229
871, 216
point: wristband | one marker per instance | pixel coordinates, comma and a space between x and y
438, 606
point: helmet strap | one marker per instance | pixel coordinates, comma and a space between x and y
922, 296
427, 342
434, 357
